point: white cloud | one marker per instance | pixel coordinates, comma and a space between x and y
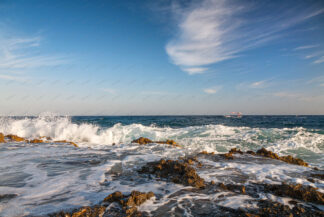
319, 60
258, 84
21, 53
306, 47
195, 70
11, 77
212, 90
212, 31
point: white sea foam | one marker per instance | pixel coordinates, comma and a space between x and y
217, 138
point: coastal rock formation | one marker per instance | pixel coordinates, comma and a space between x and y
64, 141
2, 139
96, 211
36, 141
288, 159
175, 171
261, 152
301, 192
144, 141
128, 206
129, 203
15, 138
274, 209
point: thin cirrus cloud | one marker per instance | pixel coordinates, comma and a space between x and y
212, 31
212, 90
319, 60
306, 47
21, 53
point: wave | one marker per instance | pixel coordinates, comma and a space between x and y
217, 138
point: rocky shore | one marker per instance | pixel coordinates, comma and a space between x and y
302, 200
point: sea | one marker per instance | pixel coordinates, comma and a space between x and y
38, 179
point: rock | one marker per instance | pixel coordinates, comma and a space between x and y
36, 141
175, 171
305, 193
207, 153
228, 156
129, 203
45, 137
142, 141
288, 159
128, 206
235, 151
114, 197
96, 211
15, 138
271, 209
2, 139
232, 187
64, 141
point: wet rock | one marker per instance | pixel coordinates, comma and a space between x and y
129, 203
235, 151
15, 138
207, 153
175, 171
36, 141
2, 139
288, 159
7, 197
228, 156
95, 211
232, 187
127, 206
45, 137
318, 175
114, 197
274, 209
144, 141
64, 141
305, 193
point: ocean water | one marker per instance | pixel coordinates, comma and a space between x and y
38, 179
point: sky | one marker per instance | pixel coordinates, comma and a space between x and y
170, 57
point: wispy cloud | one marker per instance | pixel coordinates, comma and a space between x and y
306, 47
319, 60
11, 77
212, 31
23, 53
258, 84
212, 90
195, 70
254, 85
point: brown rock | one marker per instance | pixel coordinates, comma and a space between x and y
36, 141
235, 151
87, 211
2, 139
305, 193
175, 171
15, 138
114, 197
142, 141
64, 141
129, 203
288, 159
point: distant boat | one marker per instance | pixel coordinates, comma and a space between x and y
234, 115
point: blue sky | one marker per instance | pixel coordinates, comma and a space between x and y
161, 57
